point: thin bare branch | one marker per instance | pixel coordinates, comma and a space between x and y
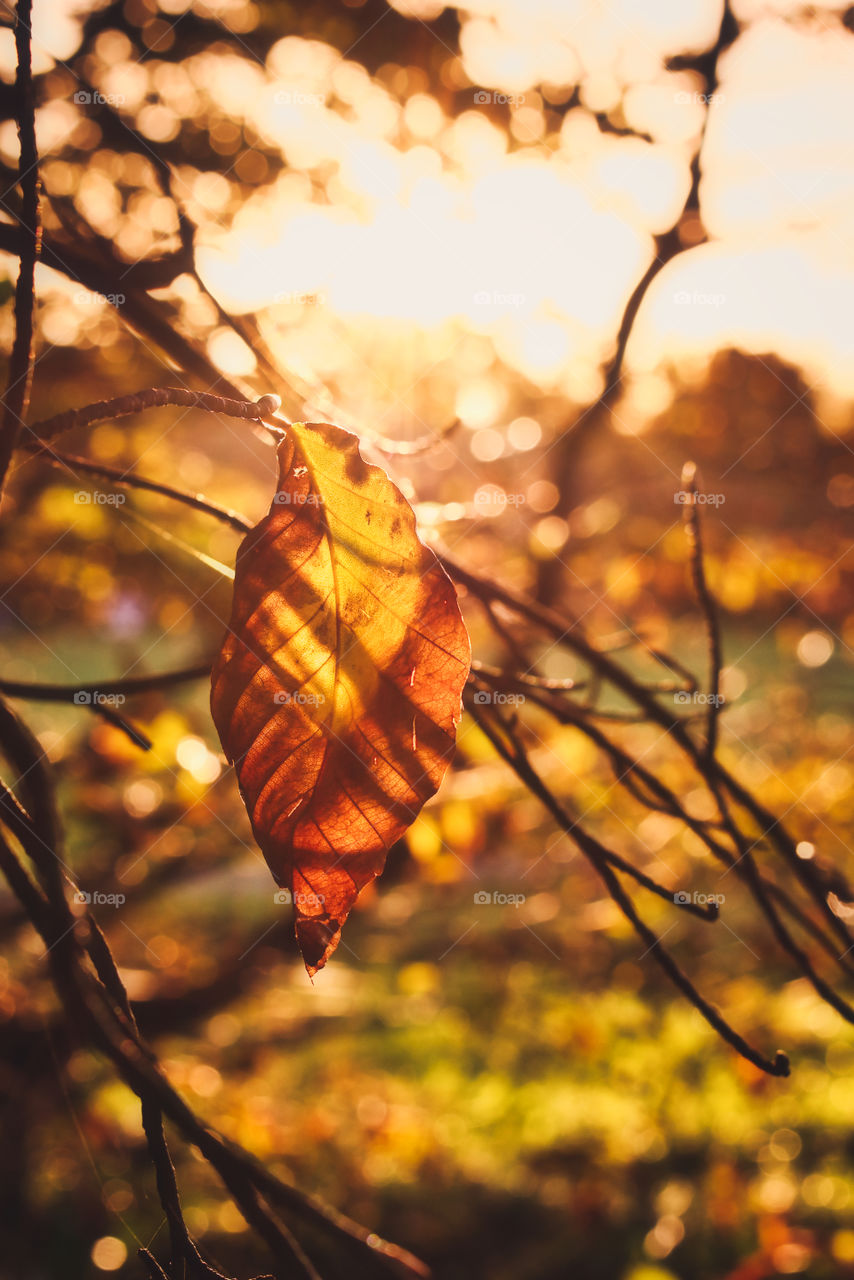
123, 479
509, 750
694, 534
570, 635
156, 397
668, 245
128, 685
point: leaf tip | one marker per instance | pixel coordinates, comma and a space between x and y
317, 938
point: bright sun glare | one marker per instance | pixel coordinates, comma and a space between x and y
393, 219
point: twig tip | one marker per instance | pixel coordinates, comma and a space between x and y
268, 405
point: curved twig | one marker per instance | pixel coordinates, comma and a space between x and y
593, 851
157, 397
571, 636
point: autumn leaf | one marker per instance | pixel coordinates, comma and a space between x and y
337, 691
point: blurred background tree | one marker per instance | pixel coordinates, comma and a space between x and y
568, 247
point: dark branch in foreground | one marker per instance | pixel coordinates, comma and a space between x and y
17, 396
97, 1000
